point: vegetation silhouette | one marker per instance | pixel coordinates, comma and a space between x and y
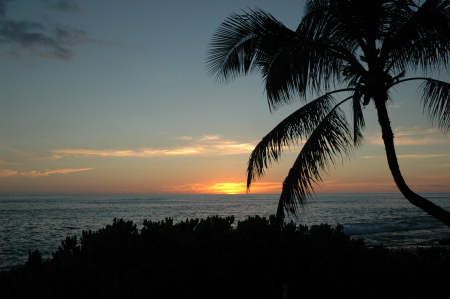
217, 258
361, 49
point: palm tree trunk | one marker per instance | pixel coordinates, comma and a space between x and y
417, 200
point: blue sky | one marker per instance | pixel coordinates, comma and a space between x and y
114, 97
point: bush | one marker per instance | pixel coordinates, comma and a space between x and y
207, 258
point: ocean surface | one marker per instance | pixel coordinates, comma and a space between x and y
42, 221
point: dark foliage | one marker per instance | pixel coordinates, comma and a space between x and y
208, 258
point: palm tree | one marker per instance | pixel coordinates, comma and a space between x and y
361, 49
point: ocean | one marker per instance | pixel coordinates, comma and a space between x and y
43, 221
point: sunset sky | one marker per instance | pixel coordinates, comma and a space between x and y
112, 96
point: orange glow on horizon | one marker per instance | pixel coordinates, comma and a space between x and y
229, 188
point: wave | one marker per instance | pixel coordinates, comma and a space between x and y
405, 225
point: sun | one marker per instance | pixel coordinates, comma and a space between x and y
229, 188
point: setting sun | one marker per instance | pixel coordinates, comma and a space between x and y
229, 188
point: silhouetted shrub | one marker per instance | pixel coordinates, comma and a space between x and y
208, 258
34, 259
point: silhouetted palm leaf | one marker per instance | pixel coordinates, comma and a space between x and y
235, 46
436, 102
358, 120
290, 62
420, 37
330, 140
294, 128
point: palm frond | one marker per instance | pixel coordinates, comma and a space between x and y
308, 62
358, 120
436, 102
235, 46
295, 127
298, 66
348, 24
419, 38
332, 139
291, 63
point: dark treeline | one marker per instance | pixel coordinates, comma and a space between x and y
208, 258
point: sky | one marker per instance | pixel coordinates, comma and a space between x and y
113, 96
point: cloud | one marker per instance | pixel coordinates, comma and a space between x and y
413, 136
62, 5
398, 105
186, 189
436, 165
207, 145
184, 138
210, 137
444, 176
123, 153
52, 40
434, 187
399, 131
16, 151
418, 156
333, 184
214, 144
266, 187
6, 173
229, 148
44, 39
8, 163
3, 4
35, 174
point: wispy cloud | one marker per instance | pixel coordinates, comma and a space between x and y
437, 165
8, 163
187, 189
3, 4
362, 184
444, 176
416, 131
266, 187
35, 174
43, 38
184, 138
206, 145
37, 38
414, 156
419, 156
62, 5
397, 105
210, 137
16, 151
415, 136
123, 153
433, 187
6, 173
